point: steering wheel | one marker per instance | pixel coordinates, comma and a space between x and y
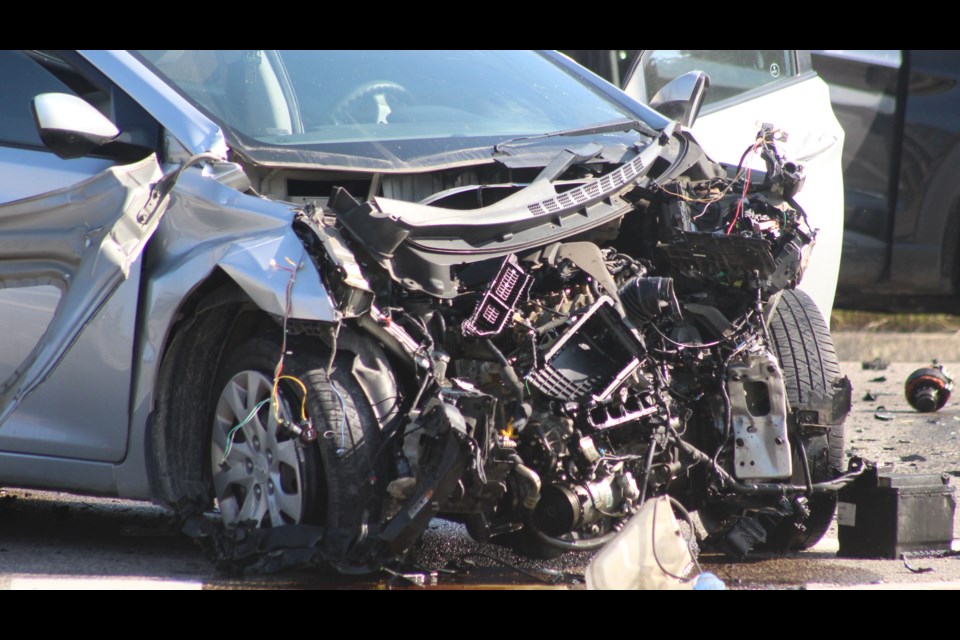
368, 102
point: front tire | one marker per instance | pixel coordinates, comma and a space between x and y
260, 471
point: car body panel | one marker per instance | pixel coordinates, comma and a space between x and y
27, 172
47, 422
82, 240
194, 238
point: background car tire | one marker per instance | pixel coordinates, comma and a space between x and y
802, 342
336, 472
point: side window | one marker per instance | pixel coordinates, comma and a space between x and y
27, 74
732, 72
22, 80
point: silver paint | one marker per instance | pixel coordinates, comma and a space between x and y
88, 234
192, 129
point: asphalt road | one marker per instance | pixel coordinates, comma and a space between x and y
55, 540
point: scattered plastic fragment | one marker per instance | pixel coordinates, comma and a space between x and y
882, 414
912, 458
913, 569
928, 389
878, 379
869, 397
877, 364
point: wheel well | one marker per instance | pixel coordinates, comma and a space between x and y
213, 321
215, 318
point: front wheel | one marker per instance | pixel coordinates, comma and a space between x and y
262, 472
802, 342
816, 396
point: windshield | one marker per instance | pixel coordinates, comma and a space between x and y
313, 99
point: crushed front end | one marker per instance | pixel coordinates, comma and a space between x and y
600, 334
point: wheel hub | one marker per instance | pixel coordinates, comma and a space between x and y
261, 469
257, 467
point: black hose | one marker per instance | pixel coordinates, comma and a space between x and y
805, 463
553, 324
568, 545
769, 488
530, 477
651, 449
443, 324
510, 376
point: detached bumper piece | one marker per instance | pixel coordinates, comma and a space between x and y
883, 515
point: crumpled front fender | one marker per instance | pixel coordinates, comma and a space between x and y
210, 226
265, 267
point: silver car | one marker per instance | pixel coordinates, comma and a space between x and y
348, 291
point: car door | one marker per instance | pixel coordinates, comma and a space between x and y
71, 234
751, 87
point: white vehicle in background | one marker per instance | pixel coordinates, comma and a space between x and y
747, 88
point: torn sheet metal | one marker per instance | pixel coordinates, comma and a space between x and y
759, 406
93, 232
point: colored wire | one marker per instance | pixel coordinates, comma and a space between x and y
746, 185
303, 399
278, 372
739, 173
233, 431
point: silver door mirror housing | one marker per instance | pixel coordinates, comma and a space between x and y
70, 126
682, 97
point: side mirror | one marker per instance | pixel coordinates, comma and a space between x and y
682, 97
69, 126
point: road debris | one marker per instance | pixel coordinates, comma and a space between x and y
928, 388
913, 569
877, 364
881, 413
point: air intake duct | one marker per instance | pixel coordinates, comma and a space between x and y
646, 298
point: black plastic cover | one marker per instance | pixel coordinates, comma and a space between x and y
501, 298
592, 358
882, 515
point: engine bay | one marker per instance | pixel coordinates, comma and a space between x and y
585, 342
